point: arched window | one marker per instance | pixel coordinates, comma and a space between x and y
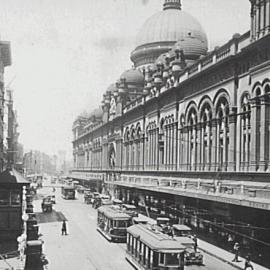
207, 138
245, 135
222, 116
161, 142
267, 119
192, 138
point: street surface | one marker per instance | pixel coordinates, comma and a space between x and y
84, 248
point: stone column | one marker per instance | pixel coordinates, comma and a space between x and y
262, 17
232, 141
214, 145
252, 23
168, 147
247, 143
253, 160
257, 20
185, 148
180, 149
242, 135
143, 140
165, 148
262, 161
156, 149
208, 146
199, 146
268, 132
267, 19
195, 147
176, 143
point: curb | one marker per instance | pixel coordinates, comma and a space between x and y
220, 258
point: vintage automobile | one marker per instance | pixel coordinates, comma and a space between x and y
181, 230
88, 198
182, 233
105, 199
193, 257
80, 189
52, 198
46, 205
130, 209
97, 203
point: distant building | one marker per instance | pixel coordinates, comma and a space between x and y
36, 162
5, 60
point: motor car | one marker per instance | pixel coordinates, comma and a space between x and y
53, 199
193, 257
96, 195
80, 189
181, 230
46, 204
88, 198
105, 199
130, 209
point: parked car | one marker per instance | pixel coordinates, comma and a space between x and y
46, 204
193, 257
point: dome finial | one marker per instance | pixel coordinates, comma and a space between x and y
172, 4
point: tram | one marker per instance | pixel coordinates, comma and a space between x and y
112, 222
150, 249
68, 193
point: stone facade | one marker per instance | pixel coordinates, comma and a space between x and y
205, 123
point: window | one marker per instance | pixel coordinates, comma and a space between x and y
15, 198
161, 258
121, 224
172, 259
4, 197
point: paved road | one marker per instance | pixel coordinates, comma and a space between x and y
84, 248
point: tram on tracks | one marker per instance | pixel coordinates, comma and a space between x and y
68, 193
150, 249
112, 222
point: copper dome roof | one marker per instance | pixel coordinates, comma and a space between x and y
161, 31
133, 77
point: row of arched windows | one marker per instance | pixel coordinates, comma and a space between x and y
211, 135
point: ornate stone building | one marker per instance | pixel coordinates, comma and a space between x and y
188, 127
5, 60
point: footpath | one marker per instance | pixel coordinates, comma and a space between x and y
225, 256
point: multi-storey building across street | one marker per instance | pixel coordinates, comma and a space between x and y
186, 131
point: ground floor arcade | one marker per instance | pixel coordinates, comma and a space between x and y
222, 224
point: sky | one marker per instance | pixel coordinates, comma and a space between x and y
65, 53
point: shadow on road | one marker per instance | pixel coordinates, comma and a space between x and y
54, 216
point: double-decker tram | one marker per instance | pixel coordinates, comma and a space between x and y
150, 249
112, 222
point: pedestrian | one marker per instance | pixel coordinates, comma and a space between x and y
248, 264
195, 239
64, 228
230, 241
236, 248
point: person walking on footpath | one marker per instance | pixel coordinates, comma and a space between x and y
64, 228
248, 264
236, 248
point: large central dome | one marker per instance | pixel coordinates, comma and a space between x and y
161, 31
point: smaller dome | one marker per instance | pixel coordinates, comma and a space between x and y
97, 113
111, 88
133, 78
162, 57
192, 47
